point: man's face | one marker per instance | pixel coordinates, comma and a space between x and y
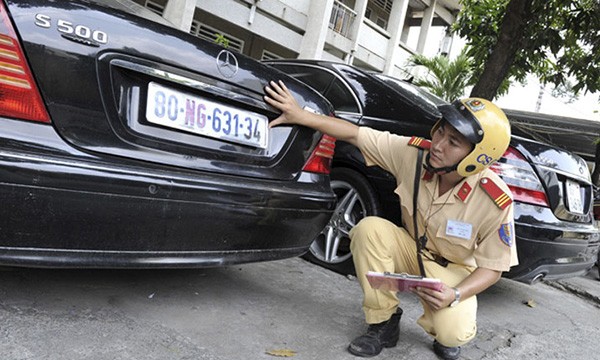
448, 146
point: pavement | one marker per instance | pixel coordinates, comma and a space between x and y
281, 309
587, 287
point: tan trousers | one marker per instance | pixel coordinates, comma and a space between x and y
380, 245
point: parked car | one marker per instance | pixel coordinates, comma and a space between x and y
597, 220
128, 143
597, 204
552, 190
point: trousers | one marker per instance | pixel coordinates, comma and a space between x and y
379, 245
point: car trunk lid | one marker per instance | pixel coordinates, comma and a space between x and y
120, 85
550, 177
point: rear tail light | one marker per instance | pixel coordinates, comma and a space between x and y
320, 159
19, 96
523, 182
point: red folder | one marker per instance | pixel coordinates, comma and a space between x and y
401, 282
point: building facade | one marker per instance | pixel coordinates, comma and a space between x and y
379, 35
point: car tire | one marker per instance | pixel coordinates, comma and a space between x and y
356, 200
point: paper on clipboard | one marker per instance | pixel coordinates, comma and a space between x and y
400, 282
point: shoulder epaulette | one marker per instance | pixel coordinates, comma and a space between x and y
498, 196
419, 142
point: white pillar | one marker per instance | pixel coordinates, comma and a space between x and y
405, 33
180, 13
360, 8
315, 33
446, 44
395, 26
425, 26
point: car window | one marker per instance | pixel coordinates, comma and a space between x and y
340, 97
318, 80
376, 98
411, 88
324, 82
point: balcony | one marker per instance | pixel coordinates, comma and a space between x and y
342, 18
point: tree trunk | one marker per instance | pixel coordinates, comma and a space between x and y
510, 39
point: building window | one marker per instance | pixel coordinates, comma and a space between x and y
211, 34
378, 11
382, 23
156, 6
385, 5
267, 55
342, 18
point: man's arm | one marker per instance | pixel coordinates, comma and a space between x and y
280, 98
478, 281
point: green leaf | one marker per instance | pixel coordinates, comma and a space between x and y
565, 31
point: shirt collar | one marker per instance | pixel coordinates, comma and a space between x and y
461, 192
464, 190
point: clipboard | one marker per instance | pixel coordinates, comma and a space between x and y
401, 282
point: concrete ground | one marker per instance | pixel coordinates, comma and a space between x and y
266, 311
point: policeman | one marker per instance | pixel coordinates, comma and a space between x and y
464, 218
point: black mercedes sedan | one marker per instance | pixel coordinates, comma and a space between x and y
597, 219
127, 143
555, 233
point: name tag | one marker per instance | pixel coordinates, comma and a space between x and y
459, 229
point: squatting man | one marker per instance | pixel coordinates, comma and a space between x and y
464, 218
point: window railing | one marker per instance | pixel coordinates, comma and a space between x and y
342, 18
211, 34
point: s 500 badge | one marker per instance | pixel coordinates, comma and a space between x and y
76, 32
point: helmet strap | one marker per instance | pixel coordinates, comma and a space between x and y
440, 170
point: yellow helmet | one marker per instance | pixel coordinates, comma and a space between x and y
484, 124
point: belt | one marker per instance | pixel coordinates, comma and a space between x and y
437, 258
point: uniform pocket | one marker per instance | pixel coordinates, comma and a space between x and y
454, 241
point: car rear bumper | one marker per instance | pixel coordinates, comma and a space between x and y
51, 258
551, 249
66, 208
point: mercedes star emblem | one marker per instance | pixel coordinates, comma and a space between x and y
227, 64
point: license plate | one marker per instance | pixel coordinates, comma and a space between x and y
574, 197
191, 113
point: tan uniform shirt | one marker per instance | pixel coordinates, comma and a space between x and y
463, 225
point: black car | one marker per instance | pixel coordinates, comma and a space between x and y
596, 203
552, 190
597, 219
128, 143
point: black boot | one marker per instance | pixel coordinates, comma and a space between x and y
446, 352
378, 336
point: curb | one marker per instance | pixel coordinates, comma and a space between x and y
587, 288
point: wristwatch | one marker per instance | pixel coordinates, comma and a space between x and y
456, 297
